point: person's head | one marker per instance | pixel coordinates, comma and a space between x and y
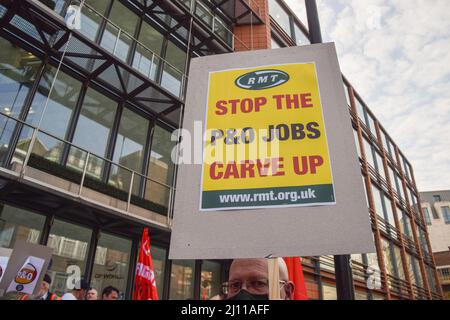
110, 293
45, 286
249, 279
81, 289
92, 294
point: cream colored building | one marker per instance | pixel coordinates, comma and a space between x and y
436, 211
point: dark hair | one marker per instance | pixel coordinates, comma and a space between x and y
108, 290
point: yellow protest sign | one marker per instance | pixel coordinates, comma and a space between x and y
265, 142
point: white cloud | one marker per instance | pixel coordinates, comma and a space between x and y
397, 56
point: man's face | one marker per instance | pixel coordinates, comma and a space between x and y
80, 294
112, 296
92, 295
252, 275
43, 289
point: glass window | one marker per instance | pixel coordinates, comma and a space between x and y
18, 70
182, 280
371, 124
378, 202
300, 38
159, 265
405, 167
389, 259
358, 149
280, 16
360, 110
390, 174
161, 167
369, 153
62, 101
398, 259
144, 60
347, 94
173, 72
18, 224
415, 273
389, 213
91, 19
70, 244
372, 260
386, 143
203, 13
117, 37
210, 282
431, 279
380, 166
446, 214
129, 150
57, 5
99, 6
426, 216
96, 120
405, 223
365, 191
111, 263
399, 186
437, 198
423, 240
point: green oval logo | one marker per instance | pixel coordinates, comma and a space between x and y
262, 79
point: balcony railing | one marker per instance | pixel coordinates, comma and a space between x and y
212, 22
85, 169
119, 43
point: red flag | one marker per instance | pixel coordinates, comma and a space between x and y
295, 271
144, 282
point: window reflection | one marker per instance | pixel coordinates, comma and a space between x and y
280, 16
117, 38
111, 264
210, 280
55, 114
96, 120
18, 70
182, 280
17, 224
70, 245
161, 167
159, 264
172, 74
129, 150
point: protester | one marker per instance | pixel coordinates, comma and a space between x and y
44, 290
249, 280
110, 293
78, 293
92, 294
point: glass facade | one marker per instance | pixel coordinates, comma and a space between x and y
17, 224
70, 245
111, 263
182, 280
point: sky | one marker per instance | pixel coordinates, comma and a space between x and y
396, 54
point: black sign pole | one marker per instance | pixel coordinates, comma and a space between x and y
343, 271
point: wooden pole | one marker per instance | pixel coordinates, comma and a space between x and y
274, 279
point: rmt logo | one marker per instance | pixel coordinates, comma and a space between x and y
262, 79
